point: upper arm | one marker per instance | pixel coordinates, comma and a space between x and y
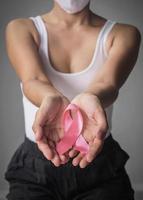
23, 51
121, 58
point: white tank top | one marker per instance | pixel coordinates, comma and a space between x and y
70, 84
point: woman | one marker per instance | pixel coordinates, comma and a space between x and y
70, 55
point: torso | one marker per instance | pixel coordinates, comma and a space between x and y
72, 50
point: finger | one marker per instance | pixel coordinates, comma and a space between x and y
54, 137
37, 129
94, 149
66, 154
56, 159
63, 158
41, 116
39, 133
83, 162
45, 148
73, 153
40, 119
100, 117
77, 159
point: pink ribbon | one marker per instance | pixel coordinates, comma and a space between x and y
72, 131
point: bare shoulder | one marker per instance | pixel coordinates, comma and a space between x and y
127, 34
123, 35
22, 26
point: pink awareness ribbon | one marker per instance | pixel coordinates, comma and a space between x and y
72, 131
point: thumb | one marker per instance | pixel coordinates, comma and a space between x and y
102, 124
38, 133
38, 124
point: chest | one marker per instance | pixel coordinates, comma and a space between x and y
72, 51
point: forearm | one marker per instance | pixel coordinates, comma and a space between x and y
107, 94
37, 90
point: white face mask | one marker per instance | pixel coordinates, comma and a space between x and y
72, 6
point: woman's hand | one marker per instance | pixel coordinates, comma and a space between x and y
47, 127
94, 128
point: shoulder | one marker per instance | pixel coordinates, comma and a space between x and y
127, 34
19, 23
122, 30
123, 35
22, 26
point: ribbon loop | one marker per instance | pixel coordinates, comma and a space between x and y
72, 131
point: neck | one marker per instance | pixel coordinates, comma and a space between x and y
71, 20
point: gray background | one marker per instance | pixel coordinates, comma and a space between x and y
128, 109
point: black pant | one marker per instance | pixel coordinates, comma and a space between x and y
32, 177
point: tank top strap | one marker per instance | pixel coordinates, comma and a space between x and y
39, 28
105, 34
36, 23
100, 50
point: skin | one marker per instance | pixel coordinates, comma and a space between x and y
122, 46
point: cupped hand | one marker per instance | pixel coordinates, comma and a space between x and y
95, 127
48, 128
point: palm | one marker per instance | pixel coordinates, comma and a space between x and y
50, 128
91, 113
95, 121
90, 116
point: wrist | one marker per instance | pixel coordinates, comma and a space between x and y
91, 93
54, 95
87, 94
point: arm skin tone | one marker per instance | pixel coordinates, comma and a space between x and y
24, 57
23, 53
121, 60
106, 85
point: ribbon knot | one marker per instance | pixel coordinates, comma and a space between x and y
72, 131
